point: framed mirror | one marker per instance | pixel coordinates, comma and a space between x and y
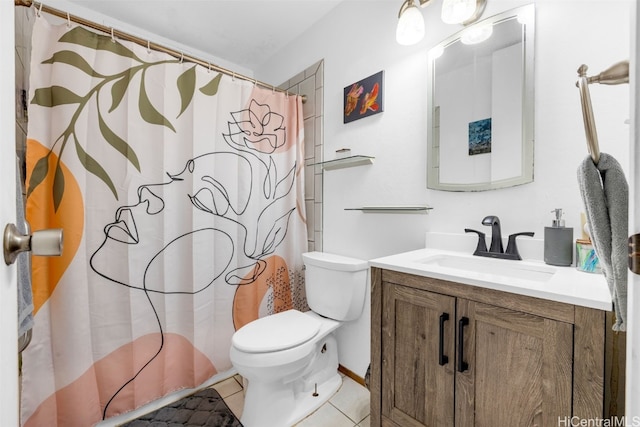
481, 107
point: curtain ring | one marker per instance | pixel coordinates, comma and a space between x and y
113, 36
148, 46
273, 89
255, 82
233, 76
181, 57
68, 20
39, 11
209, 69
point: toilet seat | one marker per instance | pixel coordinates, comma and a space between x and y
276, 332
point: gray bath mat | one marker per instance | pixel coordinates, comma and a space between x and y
204, 408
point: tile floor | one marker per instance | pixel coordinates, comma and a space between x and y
349, 407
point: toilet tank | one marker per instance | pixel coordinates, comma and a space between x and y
335, 285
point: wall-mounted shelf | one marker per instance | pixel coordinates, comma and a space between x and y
392, 209
345, 162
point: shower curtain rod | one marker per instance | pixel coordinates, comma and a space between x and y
146, 43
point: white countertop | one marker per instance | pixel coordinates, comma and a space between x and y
562, 284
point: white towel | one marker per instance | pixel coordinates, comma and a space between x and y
605, 194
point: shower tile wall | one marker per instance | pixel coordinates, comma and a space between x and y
310, 83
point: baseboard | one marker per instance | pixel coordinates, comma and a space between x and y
349, 373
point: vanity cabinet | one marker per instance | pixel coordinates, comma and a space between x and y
450, 354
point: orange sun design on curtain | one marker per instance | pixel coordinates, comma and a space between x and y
47, 271
247, 300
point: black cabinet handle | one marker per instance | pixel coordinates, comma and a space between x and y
462, 365
442, 358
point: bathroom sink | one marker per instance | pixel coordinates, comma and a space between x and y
530, 277
495, 267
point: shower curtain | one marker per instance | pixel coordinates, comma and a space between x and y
180, 192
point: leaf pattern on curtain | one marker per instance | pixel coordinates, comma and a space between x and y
56, 95
180, 194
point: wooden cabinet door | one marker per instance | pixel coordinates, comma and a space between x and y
417, 357
519, 369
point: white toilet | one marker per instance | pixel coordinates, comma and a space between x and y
290, 359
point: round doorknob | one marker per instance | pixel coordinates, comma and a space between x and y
43, 243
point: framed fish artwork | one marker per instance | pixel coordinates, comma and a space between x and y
363, 98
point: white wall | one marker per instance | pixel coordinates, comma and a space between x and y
357, 39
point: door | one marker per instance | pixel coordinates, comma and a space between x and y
632, 404
417, 357
512, 368
8, 292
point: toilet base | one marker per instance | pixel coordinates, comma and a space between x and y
307, 403
303, 404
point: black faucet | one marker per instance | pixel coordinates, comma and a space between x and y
496, 234
496, 248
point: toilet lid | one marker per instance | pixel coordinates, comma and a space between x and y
276, 332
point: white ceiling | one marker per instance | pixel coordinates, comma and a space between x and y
243, 32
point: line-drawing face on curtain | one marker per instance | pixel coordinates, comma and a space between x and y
180, 193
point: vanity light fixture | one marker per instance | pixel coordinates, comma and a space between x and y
462, 12
410, 28
475, 35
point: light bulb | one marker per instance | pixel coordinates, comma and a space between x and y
525, 17
457, 11
476, 34
410, 28
436, 52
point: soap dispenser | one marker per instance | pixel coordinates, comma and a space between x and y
558, 242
